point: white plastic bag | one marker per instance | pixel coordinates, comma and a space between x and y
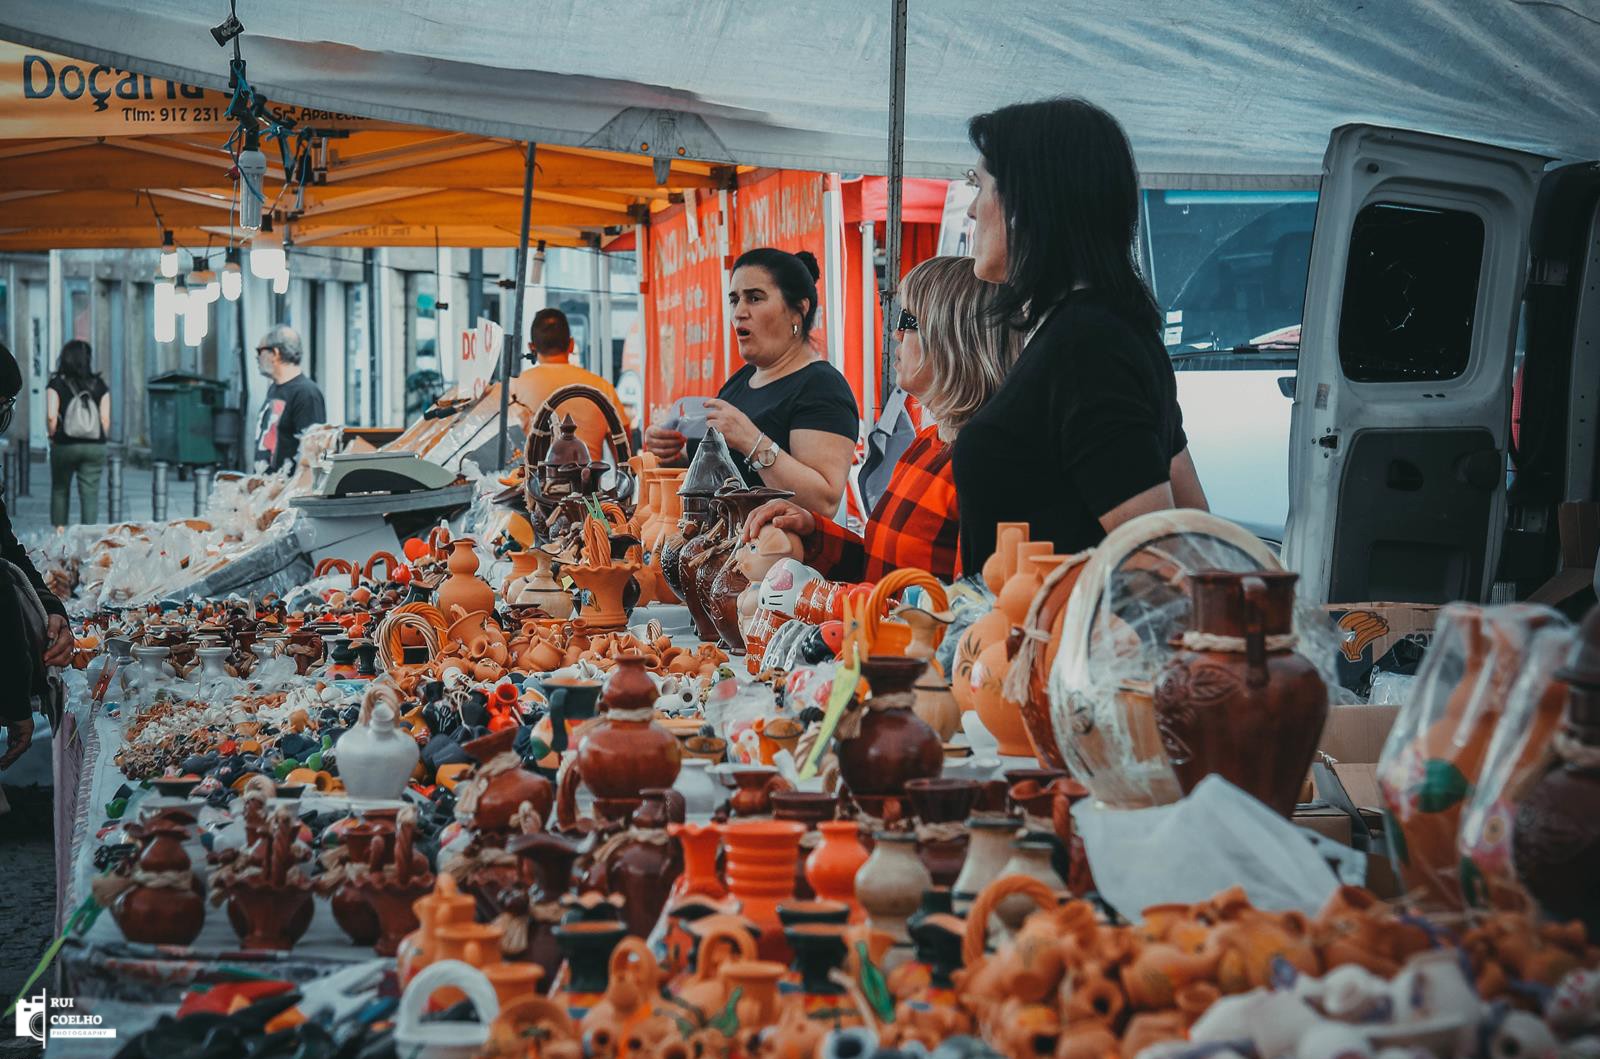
1192, 849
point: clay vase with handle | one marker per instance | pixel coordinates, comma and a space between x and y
158, 900
641, 863
730, 580
700, 844
463, 588
1238, 685
545, 863
375, 757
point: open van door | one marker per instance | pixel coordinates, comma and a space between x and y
1401, 419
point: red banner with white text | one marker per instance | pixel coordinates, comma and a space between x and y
783, 208
685, 311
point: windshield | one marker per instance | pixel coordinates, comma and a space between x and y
1230, 267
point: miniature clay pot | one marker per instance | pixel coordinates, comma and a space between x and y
498, 796
756, 785
624, 752
760, 867
891, 882
463, 588
941, 806
642, 864
163, 903
831, 868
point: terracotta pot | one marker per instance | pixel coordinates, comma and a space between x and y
1556, 843
463, 588
755, 786
721, 587
990, 627
988, 850
693, 521
444, 906
937, 706
891, 882
1216, 708
893, 745
624, 751
761, 857
1045, 617
523, 563
538, 586
1030, 857
942, 806
161, 915
831, 868
700, 844
545, 861
506, 791
756, 984
587, 948
604, 610
642, 864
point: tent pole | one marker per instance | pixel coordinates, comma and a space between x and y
897, 166
508, 359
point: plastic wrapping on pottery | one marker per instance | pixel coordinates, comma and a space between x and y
1437, 750
1520, 751
1128, 608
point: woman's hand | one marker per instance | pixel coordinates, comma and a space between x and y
783, 514
734, 426
58, 652
665, 444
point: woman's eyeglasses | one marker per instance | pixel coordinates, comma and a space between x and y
972, 178
6, 408
907, 322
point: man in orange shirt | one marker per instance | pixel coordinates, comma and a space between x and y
550, 343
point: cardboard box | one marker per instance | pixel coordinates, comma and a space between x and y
1371, 631
1355, 733
1325, 820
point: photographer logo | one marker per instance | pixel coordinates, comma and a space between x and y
45, 1017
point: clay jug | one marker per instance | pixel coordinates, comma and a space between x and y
492, 795
545, 863
161, 902
446, 905
1238, 686
463, 588
729, 580
523, 563
761, 857
892, 744
1556, 842
539, 587
831, 868
375, 757
624, 751
988, 849
820, 951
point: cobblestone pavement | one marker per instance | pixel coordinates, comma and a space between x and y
27, 900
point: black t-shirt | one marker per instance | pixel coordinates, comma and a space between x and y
814, 398
1087, 418
65, 390
290, 407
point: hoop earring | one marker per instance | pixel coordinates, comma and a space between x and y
794, 329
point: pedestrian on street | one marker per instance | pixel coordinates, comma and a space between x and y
77, 413
293, 400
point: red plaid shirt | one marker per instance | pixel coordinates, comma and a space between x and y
914, 523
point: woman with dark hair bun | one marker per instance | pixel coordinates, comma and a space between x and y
788, 415
78, 416
1086, 432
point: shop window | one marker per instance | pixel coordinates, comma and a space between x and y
1410, 293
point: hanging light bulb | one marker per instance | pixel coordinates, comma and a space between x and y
166, 321
280, 282
196, 313
266, 253
537, 276
232, 278
169, 256
205, 280
180, 298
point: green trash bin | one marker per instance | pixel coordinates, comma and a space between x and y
182, 410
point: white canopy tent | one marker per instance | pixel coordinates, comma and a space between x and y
1224, 90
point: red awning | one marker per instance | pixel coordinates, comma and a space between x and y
921, 200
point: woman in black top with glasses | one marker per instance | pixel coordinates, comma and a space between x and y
1086, 432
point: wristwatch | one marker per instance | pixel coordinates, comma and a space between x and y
765, 452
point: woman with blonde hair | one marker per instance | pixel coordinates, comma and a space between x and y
952, 357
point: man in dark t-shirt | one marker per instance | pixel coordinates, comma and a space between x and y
293, 401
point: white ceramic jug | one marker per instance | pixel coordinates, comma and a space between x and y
375, 757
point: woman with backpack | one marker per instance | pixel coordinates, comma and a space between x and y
78, 414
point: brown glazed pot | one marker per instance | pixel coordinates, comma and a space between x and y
1556, 841
691, 558
642, 865
624, 752
942, 805
507, 791
696, 512
161, 915
1217, 709
729, 580
894, 745
545, 861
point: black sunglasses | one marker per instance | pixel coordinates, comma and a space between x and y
907, 322
6, 408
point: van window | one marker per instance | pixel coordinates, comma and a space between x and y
1410, 293
1229, 268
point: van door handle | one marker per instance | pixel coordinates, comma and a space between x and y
1483, 470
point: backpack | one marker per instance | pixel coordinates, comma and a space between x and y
80, 421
